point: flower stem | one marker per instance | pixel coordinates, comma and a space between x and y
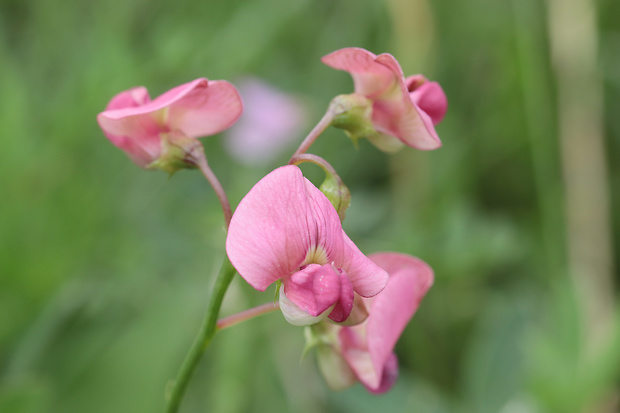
317, 160
320, 127
202, 164
246, 315
204, 337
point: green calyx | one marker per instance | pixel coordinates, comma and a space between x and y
177, 152
352, 113
337, 193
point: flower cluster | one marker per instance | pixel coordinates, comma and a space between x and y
289, 232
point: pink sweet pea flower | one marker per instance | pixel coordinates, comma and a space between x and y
286, 229
367, 348
146, 129
404, 111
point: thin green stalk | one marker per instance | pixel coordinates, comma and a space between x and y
320, 127
204, 337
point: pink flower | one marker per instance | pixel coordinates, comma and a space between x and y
367, 348
406, 109
145, 129
286, 229
271, 121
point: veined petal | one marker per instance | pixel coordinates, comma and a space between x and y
367, 278
275, 226
205, 109
369, 77
390, 311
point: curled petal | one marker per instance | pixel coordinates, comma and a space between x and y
131, 98
277, 223
429, 97
313, 289
401, 117
370, 78
295, 315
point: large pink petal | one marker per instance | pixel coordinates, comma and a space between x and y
369, 77
367, 278
275, 226
397, 115
206, 109
391, 310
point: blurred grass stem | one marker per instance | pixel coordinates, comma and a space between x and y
574, 49
205, 335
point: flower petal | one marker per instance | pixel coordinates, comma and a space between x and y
295, 315
369, 77
367, 278
137, 136
277, 223
354, 351
344, 305
388, 376
204, 108
431, 98
391, 310
131, 98
314, 289
400, 116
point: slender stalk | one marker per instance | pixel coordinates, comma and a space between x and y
202, 341
320, 127
246, 315
201, 163
317, 160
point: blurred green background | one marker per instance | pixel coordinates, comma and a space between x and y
105, 269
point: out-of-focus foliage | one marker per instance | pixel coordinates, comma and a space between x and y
105, 269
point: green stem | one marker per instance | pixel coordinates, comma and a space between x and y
204, 337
